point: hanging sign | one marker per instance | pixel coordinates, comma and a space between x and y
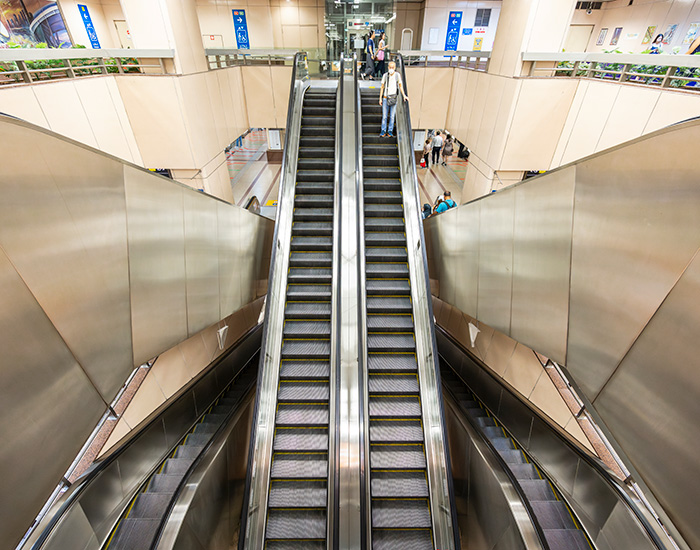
89, 27
240, 25
454, 22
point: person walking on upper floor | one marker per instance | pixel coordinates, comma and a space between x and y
381, 55
427, 147
371, 54
447, 150
437, 147
388, 97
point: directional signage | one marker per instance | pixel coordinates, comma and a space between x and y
454, 22
467, 32
87, 21
240, 25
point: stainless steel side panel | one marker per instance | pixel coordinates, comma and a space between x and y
37, 405
156, 263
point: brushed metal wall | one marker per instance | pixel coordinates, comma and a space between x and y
103, 266
593, 266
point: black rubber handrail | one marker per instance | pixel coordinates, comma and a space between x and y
598, 466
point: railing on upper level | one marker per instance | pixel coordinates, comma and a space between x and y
218, 58
478, 61
665, 71
29, 65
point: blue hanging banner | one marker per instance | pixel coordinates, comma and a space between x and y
87, 21
454, 22
241, 27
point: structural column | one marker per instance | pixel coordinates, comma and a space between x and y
169, 24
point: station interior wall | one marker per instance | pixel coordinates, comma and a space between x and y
634, 20
437, 13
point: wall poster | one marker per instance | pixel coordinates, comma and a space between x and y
649, 35
32, 22
692, 33
601, 37
616, 36
668, 35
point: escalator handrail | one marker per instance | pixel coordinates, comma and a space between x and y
426, 281
298, 57
98, 468
597, 465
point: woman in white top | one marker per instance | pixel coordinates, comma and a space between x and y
381, 55
388, 95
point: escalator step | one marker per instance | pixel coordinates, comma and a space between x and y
402, 457
308, 310
217, 414
310, 243
315, 131
502, 443
135, 533
389, 304
485, 421
177, 466
316, 163
296, 524
524, 471
312, 228
164, 483
295, 544
383, 362
299, 466
292, 414
386, 254
298, 494
493, 432
314, 188
299, 292
325, 174
150, 506
394, 406
303, 391
206, 428
314, 121
309, 275
380, 160
395, 270
379, 149
306, 349
313, 201
197, 440
395, 431
512, 456
381, 172
372, 139
300, 439
383, 210
385, 224
394, 343
561, 539
310, 259
392, 484
388, 287
188, 451
309, 110
307, 328
384, 238
537, 489
313, 214
390, 323
393, 384
410, 539
406, 514
383, 197
553, 514
305, 369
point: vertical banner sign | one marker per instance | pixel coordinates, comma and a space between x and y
454, 22
241, 27
87, 21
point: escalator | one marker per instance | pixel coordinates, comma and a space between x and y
297, 501
399, 495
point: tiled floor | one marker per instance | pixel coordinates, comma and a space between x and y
435, 180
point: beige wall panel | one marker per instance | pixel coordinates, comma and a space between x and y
537, 124
307, 16
120, 110
590, 121
308, 36
547, 398
500, 352
162, 138
550, 25
579, 97
260, 26
524, 370
457, 100
436, 97
225, 84
477, 110
470, 83
672, 107
113, 12
171, 372
414, 85
23, 103
291, 36
629, 115
222, 129
147, 398
240, 100
64, 111
276, 17
281, 77
492, 107
199, 119
102, 113
289, 14
503, 120
257, 82
575, 431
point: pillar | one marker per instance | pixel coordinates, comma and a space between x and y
168, 24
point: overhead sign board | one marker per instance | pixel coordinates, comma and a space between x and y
454, 22
240, 25
89, 27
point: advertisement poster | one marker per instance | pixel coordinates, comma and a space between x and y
692, 33
32, 22
616, 36
649, 35
668, 35
601, 37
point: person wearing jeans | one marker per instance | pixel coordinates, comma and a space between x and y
391, 86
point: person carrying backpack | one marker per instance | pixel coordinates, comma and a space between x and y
447, 150
446, 204
388, 96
